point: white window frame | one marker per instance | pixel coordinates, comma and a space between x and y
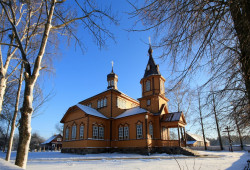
105, 102
95, 132
148, 85
120, 132
126, 132
73, 132
101, 132
139, 131
81, 131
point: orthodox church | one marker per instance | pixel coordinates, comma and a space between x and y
111, 121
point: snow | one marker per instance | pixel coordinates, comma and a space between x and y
133, 111
56, 160
91, 111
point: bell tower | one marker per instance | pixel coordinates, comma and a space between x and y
112, 79
153, 89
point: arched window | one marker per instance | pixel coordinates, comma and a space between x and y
105, 102
148, 85
95, 132
98, 104
112, 82
101, 102
139, 130
81, 131
67, 133
126, 132
120, 132
101, 132
73, 134
151, 131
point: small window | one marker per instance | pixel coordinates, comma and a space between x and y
81, 132
105, 102
109, 82
120, 133
101, 132
102, 103
148, 85
67, 133
126, 133
89, 105
148, 67
95, 132
148, 102
151, 130
112, 82
98, 104
73, 135
139, 131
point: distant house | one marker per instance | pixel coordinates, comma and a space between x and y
196, 140
54, 142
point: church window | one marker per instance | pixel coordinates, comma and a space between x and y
101, 102
89, 105
81, 131
112, 82
67, 133
105, 102
151, 130
126, 132
148, 102
101, 132
73, 135
109, 82
139, 131
120, 133
95, 132
98, 104
147, 85
148, 67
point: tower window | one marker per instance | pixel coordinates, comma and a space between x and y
147, 85
112, 82
148, 67
148, 102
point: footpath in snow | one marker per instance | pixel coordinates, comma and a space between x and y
55, 160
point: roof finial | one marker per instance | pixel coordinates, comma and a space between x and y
150, 51
112, 66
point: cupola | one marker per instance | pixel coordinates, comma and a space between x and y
112, 79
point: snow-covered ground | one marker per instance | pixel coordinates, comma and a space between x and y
56, 160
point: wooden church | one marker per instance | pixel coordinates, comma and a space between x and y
111, 121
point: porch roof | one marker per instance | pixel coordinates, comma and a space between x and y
172, 117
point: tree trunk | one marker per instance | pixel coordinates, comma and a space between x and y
30, 80
13, 125
202, 128
241, 17
238, 129
217, 123
3, 82
25, 125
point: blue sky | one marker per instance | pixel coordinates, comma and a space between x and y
81, 75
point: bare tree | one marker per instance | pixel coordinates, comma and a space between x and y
13, 123
211, 36
39, 19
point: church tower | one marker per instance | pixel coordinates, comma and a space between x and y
153, 89
112, 79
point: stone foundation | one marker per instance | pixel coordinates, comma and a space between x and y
137, 150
